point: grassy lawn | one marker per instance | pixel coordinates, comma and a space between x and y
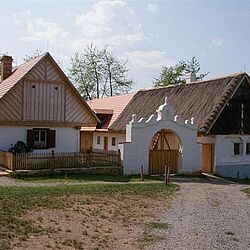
84, 178
97, 216
247, 190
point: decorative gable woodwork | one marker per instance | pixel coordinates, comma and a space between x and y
45, 96
11, 105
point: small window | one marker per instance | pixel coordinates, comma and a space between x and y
236, 148
248, 148
113, 141
98, 140
40, 138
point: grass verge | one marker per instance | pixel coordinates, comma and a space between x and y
109, 203
83, 178
247, 190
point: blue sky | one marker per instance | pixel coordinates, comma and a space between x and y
148, 34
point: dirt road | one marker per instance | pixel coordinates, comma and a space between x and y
207, 214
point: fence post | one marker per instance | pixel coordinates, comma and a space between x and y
142, 177
166, 175
119, 161
53, 159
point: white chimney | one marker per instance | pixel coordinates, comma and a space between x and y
190, 77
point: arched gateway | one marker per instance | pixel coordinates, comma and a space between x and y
164, 151
162, 139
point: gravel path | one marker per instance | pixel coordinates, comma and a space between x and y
208, 214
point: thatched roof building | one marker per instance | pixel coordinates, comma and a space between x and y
203, 100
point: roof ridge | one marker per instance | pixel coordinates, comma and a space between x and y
114, 96
195, 82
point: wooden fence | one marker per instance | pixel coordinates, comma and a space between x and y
40, 161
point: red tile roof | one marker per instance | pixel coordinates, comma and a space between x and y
115, 103
18, 73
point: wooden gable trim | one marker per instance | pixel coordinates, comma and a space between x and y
226, 102
74, 91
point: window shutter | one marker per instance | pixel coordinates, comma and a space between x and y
51, 143
30, 138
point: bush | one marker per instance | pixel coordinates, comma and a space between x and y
20, 147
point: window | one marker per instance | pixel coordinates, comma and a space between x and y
40, 138
248, 148
98, 140
113, 141
236, 148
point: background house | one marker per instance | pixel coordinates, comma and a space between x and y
107, 110
40, 106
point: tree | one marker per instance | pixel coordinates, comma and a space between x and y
98, 73
176, 74
35, 54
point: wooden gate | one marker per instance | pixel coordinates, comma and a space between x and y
159, 158
164, 151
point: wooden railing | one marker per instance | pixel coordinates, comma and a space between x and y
39, 161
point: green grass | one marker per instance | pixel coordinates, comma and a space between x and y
244, 181
17, 201
247, 190
83, 178
159, 225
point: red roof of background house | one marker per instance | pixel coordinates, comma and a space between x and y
108, 104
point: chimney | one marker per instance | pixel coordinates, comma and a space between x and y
190, 77
5, 67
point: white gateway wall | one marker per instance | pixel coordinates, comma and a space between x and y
226, 162
139, 134
67, 139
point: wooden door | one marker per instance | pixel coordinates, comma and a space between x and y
207, 158
164, 151
106, 143
86, 140
158, 159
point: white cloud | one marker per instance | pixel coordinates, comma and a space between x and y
216, 42
152, 7
20, 17
45, 30
148, 59
111, 22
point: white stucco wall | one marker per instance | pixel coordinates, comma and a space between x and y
67, 139
226, 163
119, 139
139, 134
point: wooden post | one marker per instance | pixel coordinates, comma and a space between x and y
142, 177
166, 175
119, 158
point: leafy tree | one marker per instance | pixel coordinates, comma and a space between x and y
176, 74
98, 73
35, 54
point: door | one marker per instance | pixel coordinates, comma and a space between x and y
106, 143
207, 158
86, 140
164, 151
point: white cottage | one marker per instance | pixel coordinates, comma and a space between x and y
205, 126
40, 106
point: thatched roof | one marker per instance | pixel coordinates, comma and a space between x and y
203, 100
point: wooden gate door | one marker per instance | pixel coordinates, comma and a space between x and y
207, 158
164, 151
158, 159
